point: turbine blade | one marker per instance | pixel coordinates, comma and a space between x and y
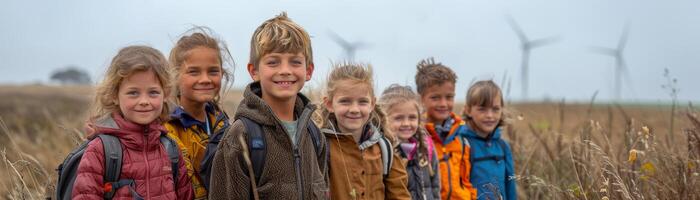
603, 51
337, 39
518, 31
544, 41
622, 43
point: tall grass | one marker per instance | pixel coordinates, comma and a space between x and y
561, 151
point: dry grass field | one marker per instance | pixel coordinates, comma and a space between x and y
562, 151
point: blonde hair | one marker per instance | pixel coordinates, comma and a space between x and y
357, 74
396, 94
279, 35
432, 73
200, 36
128, 61
482, 93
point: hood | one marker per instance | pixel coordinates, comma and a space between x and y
469, 132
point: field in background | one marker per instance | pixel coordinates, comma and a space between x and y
562, 151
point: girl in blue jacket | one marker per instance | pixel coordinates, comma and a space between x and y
492, 172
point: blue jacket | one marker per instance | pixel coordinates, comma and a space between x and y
492, 165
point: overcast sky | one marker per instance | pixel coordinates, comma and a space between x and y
472, 37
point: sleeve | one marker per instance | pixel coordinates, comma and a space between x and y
435, 179
184, 186
228, 179
511, 193
397, 180
89, 180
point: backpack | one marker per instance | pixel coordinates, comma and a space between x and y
67, 170
258, 148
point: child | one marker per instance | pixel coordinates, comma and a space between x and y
416, 147
436, 85
293, 159
197, 61
355, 129
129, 105
492, 171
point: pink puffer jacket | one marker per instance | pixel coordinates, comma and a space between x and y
144, 160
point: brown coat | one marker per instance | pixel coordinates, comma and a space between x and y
279, 180
359, 167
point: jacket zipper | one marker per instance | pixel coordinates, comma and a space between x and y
297, 154
145, 157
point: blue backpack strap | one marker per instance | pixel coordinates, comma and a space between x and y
173, 154
113, 163
256, 145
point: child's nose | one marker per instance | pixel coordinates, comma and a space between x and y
285, 68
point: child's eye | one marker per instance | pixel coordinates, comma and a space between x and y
271, 62
193, 72
214, 72
132, 93
154, 93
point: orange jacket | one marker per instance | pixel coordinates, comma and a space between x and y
454, 162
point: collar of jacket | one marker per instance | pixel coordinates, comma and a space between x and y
132, 135
370, 136
255, 108
469, 132
186, 120
430, 127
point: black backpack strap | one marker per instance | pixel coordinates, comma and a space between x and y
173, 153
315, 137
205, 165
256, 146
113, 163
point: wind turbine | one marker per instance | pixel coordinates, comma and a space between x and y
349, 48
620, 64
527, 45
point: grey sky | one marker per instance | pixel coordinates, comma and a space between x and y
472, 37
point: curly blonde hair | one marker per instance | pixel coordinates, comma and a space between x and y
128, 61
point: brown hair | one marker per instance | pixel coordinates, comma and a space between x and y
482, 93
357, 74
433, 73
396, 94
200, 36
279, 35
128, 61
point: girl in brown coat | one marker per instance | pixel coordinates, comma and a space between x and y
354, 128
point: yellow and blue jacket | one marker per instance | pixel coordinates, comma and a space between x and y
192, 137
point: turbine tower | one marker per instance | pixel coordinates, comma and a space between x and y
526, 46
620, 63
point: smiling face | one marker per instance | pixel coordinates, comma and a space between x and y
352, 105
140, 97
485, 118
200, 76
438, 101
403, 119
281, 75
